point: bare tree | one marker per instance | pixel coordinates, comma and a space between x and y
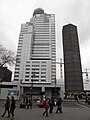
7, 57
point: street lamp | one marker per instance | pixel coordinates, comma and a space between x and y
33, 76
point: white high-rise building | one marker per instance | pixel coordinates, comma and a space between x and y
36, 54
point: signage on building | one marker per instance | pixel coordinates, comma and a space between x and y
13, 92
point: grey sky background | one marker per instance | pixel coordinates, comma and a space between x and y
15, 12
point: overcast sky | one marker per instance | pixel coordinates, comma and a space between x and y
15, 12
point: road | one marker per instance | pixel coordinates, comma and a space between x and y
71, 111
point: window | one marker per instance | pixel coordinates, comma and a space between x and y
27, 68
27, 72
16, 75
27, 65
15, 79
26, 79
16, 68
35, 68
26, 75
43, 76
43, 79
34, 79
35, 65
16, 72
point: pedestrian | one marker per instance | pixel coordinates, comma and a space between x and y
27, 102
76, 97
46, 106
86, 98
7, 107
30, 103
51, 105
12, 107
59, 105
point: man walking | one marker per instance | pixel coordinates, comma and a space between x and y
51, 104
7, 107
59, 107
12, 108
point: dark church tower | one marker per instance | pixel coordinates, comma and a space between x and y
72, 60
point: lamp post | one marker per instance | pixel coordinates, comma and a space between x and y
33, 76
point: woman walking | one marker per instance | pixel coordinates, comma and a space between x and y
46, 106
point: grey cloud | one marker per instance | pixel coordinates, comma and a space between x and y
79, 14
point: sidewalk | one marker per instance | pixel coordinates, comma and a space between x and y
36, 114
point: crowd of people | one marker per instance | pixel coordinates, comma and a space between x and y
49, 104
9, 107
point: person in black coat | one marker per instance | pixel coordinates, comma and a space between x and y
59, 103
30, 103
7, 107
51, 104
12, 108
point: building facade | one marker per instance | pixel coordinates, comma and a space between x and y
72, 60
36, 54
9, 89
